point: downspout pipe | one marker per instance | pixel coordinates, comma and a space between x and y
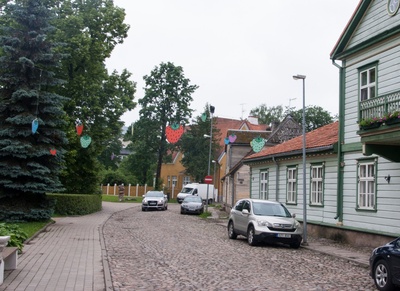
276, 179
340, 157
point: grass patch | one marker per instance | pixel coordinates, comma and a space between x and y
30, 228
128, 199
205, 214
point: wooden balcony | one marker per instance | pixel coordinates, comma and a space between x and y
383, 139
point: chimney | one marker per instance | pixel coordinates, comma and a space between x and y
253, 120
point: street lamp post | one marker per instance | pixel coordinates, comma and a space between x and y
302, 77
212, 109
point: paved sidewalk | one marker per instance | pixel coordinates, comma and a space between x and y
70, 255
67, 256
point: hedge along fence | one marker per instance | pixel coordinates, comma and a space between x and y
76, 204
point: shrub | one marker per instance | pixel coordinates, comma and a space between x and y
76, 204
17, 236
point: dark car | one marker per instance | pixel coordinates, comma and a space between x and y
192, 204
384, 264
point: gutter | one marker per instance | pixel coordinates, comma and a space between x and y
340, 159
276, 179
288, 154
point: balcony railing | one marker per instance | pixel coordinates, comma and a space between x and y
380, 106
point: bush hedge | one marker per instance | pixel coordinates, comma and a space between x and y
76, 204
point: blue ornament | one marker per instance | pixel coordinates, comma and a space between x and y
35, 125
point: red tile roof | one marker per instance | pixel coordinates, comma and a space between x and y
321, 137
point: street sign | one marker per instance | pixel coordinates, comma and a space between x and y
208, 180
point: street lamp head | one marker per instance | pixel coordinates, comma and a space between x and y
212, 109
213, 161
299, 77
206, 136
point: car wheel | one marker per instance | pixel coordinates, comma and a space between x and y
231, 231
166, 207
250, 236
182, 211
382, 276
295, 245
143, 209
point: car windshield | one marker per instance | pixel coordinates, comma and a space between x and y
193, 199
186, 190
155, 194
270, 209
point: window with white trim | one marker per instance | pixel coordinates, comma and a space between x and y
186, 180
174, 181
368, 84
366, 185
317, 184
291, 187
264, 185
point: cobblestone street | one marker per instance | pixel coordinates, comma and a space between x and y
164, 250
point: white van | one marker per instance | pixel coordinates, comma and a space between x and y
197, 189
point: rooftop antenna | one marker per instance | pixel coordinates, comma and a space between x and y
242, 109
290, 99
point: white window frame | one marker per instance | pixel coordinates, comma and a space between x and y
317, 185
368, 83
174, 181
264, 184
291, 185
169, 181
366, 196
186, 180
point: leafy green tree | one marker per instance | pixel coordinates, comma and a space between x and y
166, 101
267, 115
316, 117
196, 148
89, 31
32, 118
144, 145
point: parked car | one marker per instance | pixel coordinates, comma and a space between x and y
192, 204
384, 265
263, 220
154, 200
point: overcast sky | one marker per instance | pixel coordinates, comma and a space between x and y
241, 53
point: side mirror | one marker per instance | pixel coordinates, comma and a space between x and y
245, 211
144, 196
165, 196
294, 215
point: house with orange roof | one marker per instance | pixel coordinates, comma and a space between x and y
276, 174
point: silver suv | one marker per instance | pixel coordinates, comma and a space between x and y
262, 220
154, 200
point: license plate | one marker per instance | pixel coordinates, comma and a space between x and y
285, 235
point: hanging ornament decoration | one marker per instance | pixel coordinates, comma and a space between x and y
53, 152
226, 140
79, 128
257, 144
174, 132
204, 117
232, 138
35, 125
85, 141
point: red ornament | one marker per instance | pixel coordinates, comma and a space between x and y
79, 128
174, 132
53, 152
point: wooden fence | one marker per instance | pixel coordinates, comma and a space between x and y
135, 190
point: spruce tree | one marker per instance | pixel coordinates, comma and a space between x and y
31, 114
